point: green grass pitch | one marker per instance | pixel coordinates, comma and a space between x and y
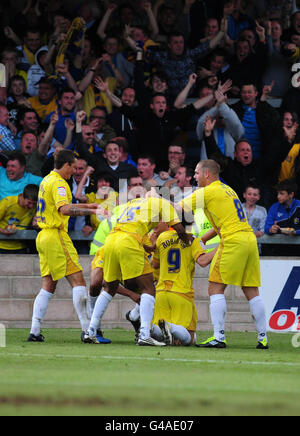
65, 377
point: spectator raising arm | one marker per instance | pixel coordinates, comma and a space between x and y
218, 38
152, 20
101, 32
78, 194
80, 145
103, 87
70, 126
182, 97
46, 141
119, 76
62, 69
87, 80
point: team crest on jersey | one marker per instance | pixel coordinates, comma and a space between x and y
62, 191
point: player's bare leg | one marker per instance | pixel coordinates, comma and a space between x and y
95, 287
258, 312
218, 311
40, 308
134, 315
105, 297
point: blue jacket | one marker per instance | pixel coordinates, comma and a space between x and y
284, 217
10, 188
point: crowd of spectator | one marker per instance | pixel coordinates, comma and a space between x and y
147, 89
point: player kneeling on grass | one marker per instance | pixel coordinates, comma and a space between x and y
126, 260
175, 314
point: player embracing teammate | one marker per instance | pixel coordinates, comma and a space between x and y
125, 252
237, 259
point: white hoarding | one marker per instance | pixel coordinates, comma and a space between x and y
280, 291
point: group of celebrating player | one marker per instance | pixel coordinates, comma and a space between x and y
157, 272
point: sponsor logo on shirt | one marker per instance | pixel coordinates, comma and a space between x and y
62, 191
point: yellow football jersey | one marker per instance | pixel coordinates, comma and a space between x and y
142, 215
108, 204
177, 263
54, 192
11, 213
221, 206
288, 165
43, 110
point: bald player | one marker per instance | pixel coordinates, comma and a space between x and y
237, 259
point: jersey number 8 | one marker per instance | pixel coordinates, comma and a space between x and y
240, 210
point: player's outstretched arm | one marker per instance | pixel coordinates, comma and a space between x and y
127, 293
205, 259
79, 209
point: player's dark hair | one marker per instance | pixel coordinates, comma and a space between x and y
31, 192
63, 157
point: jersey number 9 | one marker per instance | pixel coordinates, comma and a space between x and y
174, 260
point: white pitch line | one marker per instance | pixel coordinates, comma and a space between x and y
157, 359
